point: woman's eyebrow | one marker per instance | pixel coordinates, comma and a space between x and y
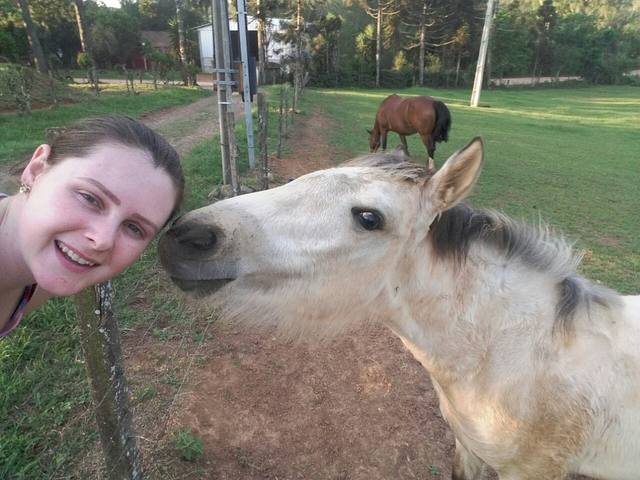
140, 218
104, 189
116, 200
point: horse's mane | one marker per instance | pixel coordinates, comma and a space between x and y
455, 230
396, 164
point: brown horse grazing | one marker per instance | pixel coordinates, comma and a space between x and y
406, 116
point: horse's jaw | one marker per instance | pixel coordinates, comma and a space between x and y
201, 288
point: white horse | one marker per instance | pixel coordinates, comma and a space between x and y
537, 369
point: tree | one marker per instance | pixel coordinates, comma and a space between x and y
546, 21
378, 10
85, 41
511, 51
39, 58
115, 36
418, 16
324, 43
182, 55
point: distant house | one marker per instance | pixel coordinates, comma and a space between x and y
276, 51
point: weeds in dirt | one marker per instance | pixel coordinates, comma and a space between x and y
188, 445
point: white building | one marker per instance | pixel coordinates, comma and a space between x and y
275, 50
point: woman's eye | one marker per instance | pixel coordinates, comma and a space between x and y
90, 199
368, 219
135, 229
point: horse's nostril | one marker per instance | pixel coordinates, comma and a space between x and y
197, 237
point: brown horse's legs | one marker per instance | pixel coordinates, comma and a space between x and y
403, 139
383, 135
466, 466
429, 144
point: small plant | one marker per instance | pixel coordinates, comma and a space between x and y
16, 81
434, 470
188, 445
145, 393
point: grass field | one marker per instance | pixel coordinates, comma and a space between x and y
568, 156
19, 135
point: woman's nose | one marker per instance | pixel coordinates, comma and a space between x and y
102, 234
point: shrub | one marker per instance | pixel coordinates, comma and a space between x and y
188, 445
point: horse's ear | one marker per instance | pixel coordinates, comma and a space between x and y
454, 181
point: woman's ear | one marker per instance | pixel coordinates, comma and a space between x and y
37, 165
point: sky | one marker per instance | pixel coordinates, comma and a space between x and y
111, 3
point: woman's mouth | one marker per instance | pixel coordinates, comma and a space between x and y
73, 256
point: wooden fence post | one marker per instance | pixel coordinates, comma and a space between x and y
263, 120
286, 110
100, 338
280, 123
233, 153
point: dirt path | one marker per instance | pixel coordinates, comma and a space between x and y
188, 125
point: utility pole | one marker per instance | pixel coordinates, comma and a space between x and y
246, 86
484, 43
220, 29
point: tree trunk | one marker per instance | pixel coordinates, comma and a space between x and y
85, 42
378, 42
297, 80
262, 54
39, 58
182, 51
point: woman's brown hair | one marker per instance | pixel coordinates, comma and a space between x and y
80, 138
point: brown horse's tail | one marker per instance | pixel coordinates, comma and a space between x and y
443, 122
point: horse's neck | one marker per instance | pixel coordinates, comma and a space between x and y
454, 318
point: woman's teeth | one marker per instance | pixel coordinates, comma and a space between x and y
73, 256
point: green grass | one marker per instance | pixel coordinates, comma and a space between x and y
19, 135
107, 74
568, 156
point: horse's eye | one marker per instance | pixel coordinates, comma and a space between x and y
369, 219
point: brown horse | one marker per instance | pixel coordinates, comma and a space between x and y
406, 116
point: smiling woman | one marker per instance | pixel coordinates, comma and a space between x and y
90, 202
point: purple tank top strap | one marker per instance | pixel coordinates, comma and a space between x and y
18, 313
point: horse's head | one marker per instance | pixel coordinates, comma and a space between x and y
374, 139
330, 242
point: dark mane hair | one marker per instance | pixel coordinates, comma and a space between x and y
455, 230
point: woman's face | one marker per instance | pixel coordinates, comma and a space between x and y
87, 219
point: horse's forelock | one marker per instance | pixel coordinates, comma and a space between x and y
395, 164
